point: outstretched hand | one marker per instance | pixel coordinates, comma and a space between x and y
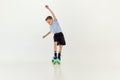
47, 6
43, 36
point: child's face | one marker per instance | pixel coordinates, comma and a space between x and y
50, 21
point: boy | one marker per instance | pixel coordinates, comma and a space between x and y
56, 30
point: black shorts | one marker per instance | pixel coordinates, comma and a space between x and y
59, 38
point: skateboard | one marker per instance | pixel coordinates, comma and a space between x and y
55, 61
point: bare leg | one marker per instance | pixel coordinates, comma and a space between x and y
55, 50
55, 46
60, 48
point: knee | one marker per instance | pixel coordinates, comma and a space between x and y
55, 43
61, 46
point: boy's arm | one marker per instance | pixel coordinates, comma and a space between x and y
46, 34
51, 11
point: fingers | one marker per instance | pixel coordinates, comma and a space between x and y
43, 37
46, 6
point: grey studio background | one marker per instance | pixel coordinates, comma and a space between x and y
92, 32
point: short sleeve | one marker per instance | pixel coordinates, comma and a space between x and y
55, 20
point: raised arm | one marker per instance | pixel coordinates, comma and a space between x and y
47, 7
